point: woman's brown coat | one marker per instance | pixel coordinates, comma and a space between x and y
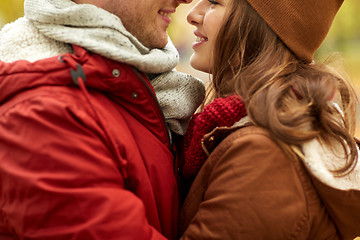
249, 189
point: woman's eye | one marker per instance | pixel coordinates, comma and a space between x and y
213, 2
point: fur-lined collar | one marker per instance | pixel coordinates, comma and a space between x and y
321, 160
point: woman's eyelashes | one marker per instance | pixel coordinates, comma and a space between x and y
213, 2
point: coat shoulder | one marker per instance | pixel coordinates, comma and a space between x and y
249, 137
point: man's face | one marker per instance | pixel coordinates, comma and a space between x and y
147, 20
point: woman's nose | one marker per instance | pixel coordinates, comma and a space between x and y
195, 15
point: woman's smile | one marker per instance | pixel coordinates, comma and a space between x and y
207, 16
200, 39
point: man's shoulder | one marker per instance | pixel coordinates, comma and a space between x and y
21, 40
43, 99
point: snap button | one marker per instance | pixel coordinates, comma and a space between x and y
134, 95
116, 73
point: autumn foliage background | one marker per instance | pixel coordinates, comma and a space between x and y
344, 38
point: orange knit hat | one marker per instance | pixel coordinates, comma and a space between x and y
301, 24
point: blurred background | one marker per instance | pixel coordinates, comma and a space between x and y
343, 38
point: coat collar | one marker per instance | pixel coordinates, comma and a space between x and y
213, 139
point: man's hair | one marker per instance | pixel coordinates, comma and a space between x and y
288, 97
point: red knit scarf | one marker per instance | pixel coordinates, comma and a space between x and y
221, 112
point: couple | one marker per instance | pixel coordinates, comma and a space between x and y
96, 137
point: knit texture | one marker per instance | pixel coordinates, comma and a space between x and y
301, 25
98, 31
222, 112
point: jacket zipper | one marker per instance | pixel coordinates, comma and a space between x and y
164, 125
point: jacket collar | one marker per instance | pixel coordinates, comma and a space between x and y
211, 140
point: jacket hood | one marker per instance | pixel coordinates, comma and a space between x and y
340, 194
21, 75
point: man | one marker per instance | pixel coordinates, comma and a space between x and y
88, 105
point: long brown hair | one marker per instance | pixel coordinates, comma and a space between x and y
287, 96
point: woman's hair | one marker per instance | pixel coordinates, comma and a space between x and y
290, 98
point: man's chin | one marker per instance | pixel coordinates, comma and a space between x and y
161, 43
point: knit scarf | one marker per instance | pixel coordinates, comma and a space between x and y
50, 27
99, 31
222, 112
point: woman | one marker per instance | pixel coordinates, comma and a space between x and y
273, 154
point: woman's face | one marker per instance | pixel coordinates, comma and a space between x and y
207, 16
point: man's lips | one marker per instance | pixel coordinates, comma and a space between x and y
165, 14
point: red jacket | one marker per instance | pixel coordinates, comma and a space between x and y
84, 152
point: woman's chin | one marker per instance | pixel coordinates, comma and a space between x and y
197, 65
